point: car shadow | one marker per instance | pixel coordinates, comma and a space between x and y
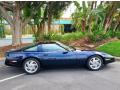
74, 69
108, 67
63, 68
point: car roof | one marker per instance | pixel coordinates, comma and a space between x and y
42, 42
39, 43
46, 42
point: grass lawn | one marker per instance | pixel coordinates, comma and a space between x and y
112, 48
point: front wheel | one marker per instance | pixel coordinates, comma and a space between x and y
95, 63
31, 66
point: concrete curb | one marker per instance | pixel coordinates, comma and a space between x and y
117, 58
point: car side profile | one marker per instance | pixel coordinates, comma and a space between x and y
33, 57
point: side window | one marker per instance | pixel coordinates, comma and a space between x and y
51, 47
34, 48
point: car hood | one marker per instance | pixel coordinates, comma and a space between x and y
93, 52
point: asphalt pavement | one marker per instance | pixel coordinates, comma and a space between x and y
72, 78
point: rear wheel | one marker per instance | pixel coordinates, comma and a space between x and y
31, 66
95, 63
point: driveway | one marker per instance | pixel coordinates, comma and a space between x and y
72, 78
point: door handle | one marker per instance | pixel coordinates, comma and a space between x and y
65, 52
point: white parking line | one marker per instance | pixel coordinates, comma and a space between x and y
11, 77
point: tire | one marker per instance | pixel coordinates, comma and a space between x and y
31, 66
95, 63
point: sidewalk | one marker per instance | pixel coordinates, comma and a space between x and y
2, 58
117, 58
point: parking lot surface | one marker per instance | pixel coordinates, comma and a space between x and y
72, 78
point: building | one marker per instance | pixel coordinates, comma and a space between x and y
62, 25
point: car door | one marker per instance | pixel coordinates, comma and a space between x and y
53, 54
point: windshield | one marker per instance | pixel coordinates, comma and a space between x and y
66, 47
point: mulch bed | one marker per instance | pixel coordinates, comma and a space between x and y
84, 43
6, 48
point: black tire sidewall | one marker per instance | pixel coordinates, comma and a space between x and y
33, 60
88, 66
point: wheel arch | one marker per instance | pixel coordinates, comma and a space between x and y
97, 55
31, 57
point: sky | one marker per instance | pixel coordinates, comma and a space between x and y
67, 13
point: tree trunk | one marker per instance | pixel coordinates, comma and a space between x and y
41, 28
108, 17
116, 26
49, 16
90, 17
89, 24
16, 27
49, 22
14, 18
17, 33
83, 24
34, 32
40, 31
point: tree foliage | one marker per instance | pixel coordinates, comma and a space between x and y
97, 20
49, 11
103, 14
12, 12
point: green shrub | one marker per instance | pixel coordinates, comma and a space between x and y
72, 36
98, 36
47, 36
51, 36
118, 35
67, 37
114, 34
